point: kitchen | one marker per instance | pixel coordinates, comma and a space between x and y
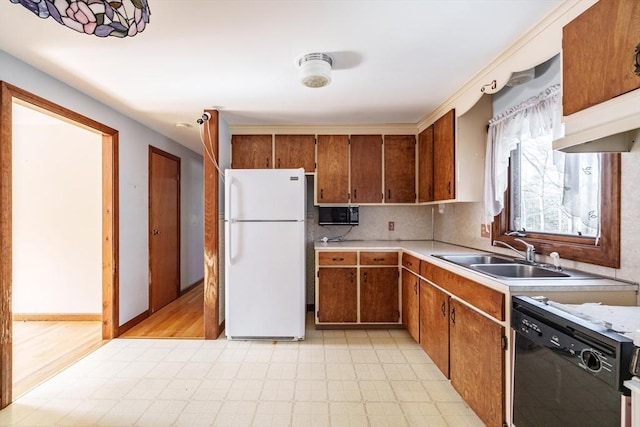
461, 223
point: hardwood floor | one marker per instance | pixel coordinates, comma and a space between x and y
41, 349
183, 318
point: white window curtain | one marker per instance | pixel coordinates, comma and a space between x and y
537, 116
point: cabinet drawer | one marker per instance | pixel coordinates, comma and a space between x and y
486, 299
411, 263
378, 258
337, 258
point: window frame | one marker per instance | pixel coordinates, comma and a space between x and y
583, 249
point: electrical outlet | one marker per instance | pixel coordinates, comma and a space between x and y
484, 231
392, 225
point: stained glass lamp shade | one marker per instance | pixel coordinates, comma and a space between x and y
102, 18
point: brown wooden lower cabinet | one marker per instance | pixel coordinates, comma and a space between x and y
379, 294
410, 301
434, 325
477, 362
337, 295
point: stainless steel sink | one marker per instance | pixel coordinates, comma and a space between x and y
475, 259
506, 268
518, 271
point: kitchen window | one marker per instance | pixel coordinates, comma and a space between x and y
565, 203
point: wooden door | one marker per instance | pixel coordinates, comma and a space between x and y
434, 325
333, 169
337, 295
400, 169
379, 294
598, 54
477, 362
251, 152
366, 168
444, 142
164, 228
295, 151
425, 165
410, 302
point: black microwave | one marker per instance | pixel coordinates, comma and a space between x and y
339, 215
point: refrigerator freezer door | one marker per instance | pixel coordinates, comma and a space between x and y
265, 280
265, 194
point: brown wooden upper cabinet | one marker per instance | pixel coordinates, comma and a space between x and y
333, 169
251, 152
425, 165
366, 168
295, 151
444, 143
598, 54
400, 169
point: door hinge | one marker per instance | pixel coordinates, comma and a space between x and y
318, 273
504, 342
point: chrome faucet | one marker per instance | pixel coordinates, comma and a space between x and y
530, 252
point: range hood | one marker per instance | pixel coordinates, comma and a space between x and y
612, 126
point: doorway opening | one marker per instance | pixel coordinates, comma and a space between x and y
107, 313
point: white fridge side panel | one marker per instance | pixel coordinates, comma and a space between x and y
265, 279
265, 194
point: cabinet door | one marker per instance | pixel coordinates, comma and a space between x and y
379, 294
400, 169
477, 362
598, 52
333, 169
337, 295
366, 168
434, 325
425, 165
295, 151
251, 152
444, 142
410, 302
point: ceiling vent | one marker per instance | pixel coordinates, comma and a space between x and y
315, 69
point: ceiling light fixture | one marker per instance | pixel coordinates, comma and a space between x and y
521, 77
315, 69
102, 18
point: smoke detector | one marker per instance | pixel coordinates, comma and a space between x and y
315, 69
521, 77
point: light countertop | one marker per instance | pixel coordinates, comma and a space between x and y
424, 249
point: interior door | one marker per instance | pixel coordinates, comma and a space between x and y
164, 228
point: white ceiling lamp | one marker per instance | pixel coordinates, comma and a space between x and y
521, 77
315, 69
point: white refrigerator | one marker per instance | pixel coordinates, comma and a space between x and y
264, 224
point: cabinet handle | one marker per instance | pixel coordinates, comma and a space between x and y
378, 259
337, 259
321, 193
415, 288
442, 309
449, 187
409, 263
430, 192
355, 193
351, 277
388, 194
637, 61
453, 315
278, 163
364, 276
267, 163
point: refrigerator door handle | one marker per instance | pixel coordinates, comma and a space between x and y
232, 221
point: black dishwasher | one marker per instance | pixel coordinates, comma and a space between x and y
567, 371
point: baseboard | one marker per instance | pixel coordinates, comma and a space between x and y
359, 326
191, 286
131, 323
58, 317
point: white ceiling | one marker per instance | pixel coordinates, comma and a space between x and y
394, 61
